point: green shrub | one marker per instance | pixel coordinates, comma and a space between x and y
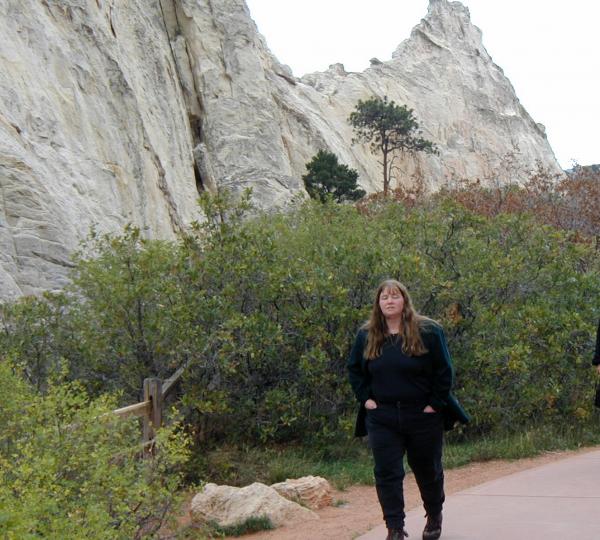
68, 472
265, 309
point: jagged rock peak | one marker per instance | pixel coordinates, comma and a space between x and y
442, 9
447, 25
120, 112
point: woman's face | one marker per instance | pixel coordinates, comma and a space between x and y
391, 303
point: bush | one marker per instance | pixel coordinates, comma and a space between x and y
567, 203
68, 472
265, 309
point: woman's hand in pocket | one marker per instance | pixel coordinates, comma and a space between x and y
370, 404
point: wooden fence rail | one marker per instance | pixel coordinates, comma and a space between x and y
139, 409
150, 410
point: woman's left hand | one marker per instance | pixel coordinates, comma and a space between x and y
429, 409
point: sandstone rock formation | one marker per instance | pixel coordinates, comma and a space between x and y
311, 491
93, 130
227, 506
118, 111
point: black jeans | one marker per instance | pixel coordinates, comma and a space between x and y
393, 431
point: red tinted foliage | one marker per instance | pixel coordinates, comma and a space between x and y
569, 202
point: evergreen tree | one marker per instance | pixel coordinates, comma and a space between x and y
327, 177
388, 127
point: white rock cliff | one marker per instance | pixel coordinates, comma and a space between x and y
120, 111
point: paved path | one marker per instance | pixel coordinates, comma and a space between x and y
557, 501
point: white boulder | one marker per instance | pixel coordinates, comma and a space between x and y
228, 506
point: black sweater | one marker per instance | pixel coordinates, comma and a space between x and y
427, 378
396, 376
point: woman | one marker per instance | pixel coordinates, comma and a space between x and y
401, 373
596, 359
596, 362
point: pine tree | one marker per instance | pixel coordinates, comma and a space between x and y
327, 177
389, 128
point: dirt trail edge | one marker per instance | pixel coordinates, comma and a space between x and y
358, 509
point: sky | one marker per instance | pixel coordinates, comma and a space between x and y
549, 49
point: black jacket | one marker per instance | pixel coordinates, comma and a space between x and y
596, 359
443, 376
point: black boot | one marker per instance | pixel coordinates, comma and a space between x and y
433, 527
396, 534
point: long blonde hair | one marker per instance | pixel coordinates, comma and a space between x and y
411, 322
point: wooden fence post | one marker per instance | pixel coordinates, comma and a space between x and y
153, 420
